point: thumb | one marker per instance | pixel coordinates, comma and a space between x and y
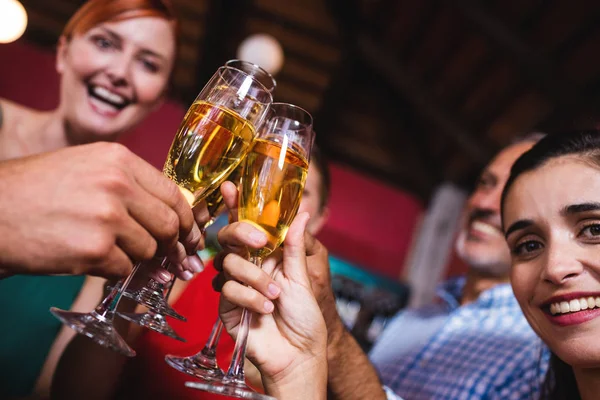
230, 197
294, 252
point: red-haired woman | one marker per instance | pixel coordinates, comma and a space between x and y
115, 58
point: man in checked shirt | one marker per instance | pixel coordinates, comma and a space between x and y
473, 343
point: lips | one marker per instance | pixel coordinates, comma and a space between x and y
572, 308
107, 99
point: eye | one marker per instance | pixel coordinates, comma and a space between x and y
591, 231
150, 66
527, 248
102, 42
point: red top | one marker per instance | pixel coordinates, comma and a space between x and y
148, 375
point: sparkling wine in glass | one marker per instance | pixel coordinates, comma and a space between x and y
270, 191
215, 135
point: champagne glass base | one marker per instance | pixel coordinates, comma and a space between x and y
229, 388
155, 300
201, 367
95, 327
152, 321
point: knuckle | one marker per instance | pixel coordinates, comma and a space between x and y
149, 250
116, 152
171, 225
108, 212
97, 251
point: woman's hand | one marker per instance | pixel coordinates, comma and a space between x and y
288, 337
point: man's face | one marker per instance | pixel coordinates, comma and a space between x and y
480, 242
311, 201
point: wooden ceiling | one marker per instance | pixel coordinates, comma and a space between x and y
409, 92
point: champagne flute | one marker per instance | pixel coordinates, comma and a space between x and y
215, 135
150, 295
270, 191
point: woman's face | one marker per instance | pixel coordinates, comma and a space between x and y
114, 75
552, 221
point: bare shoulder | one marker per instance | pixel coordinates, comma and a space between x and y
11, 114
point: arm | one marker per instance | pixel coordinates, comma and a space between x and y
89, 296
350, 373
85, 368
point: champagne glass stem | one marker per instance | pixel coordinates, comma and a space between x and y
213, 340
236, 368
106, 309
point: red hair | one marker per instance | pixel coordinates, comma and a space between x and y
95, 12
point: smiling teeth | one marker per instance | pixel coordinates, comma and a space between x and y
486, 228
108, 95
574, 305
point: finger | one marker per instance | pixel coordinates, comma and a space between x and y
116, 265
193, 264
294, 251
135, 241
161, 275
154, 216
236, 237
201, 215
240, 270
159, 186
182, 273
243, 296
230, 197
218, 260
177, 254
218, 281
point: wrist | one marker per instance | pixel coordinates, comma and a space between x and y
336, 338
304, 380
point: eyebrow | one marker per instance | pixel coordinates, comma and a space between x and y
115, 36
579, 208
521, 224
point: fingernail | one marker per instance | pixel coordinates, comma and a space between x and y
195, 263
187, 275
165, 276
257, 236
269, 306
273, 289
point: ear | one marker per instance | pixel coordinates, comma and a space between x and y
61, 54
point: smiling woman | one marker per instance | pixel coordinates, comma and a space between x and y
551, 218
115, 59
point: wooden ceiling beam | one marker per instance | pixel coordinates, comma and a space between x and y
377, 58
539, 69
224, 22
316, 35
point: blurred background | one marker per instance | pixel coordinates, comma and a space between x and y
410, 100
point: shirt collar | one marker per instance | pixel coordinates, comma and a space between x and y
450, 293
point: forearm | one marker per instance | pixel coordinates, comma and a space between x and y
350, 373
88, 370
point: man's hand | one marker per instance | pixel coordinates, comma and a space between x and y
91, 209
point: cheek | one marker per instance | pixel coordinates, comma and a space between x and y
149, 89
523, 281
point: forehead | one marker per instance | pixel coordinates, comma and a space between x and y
547, 190
501, 164
146, 32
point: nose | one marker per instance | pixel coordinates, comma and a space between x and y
119, 71
562, 264
488, 200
